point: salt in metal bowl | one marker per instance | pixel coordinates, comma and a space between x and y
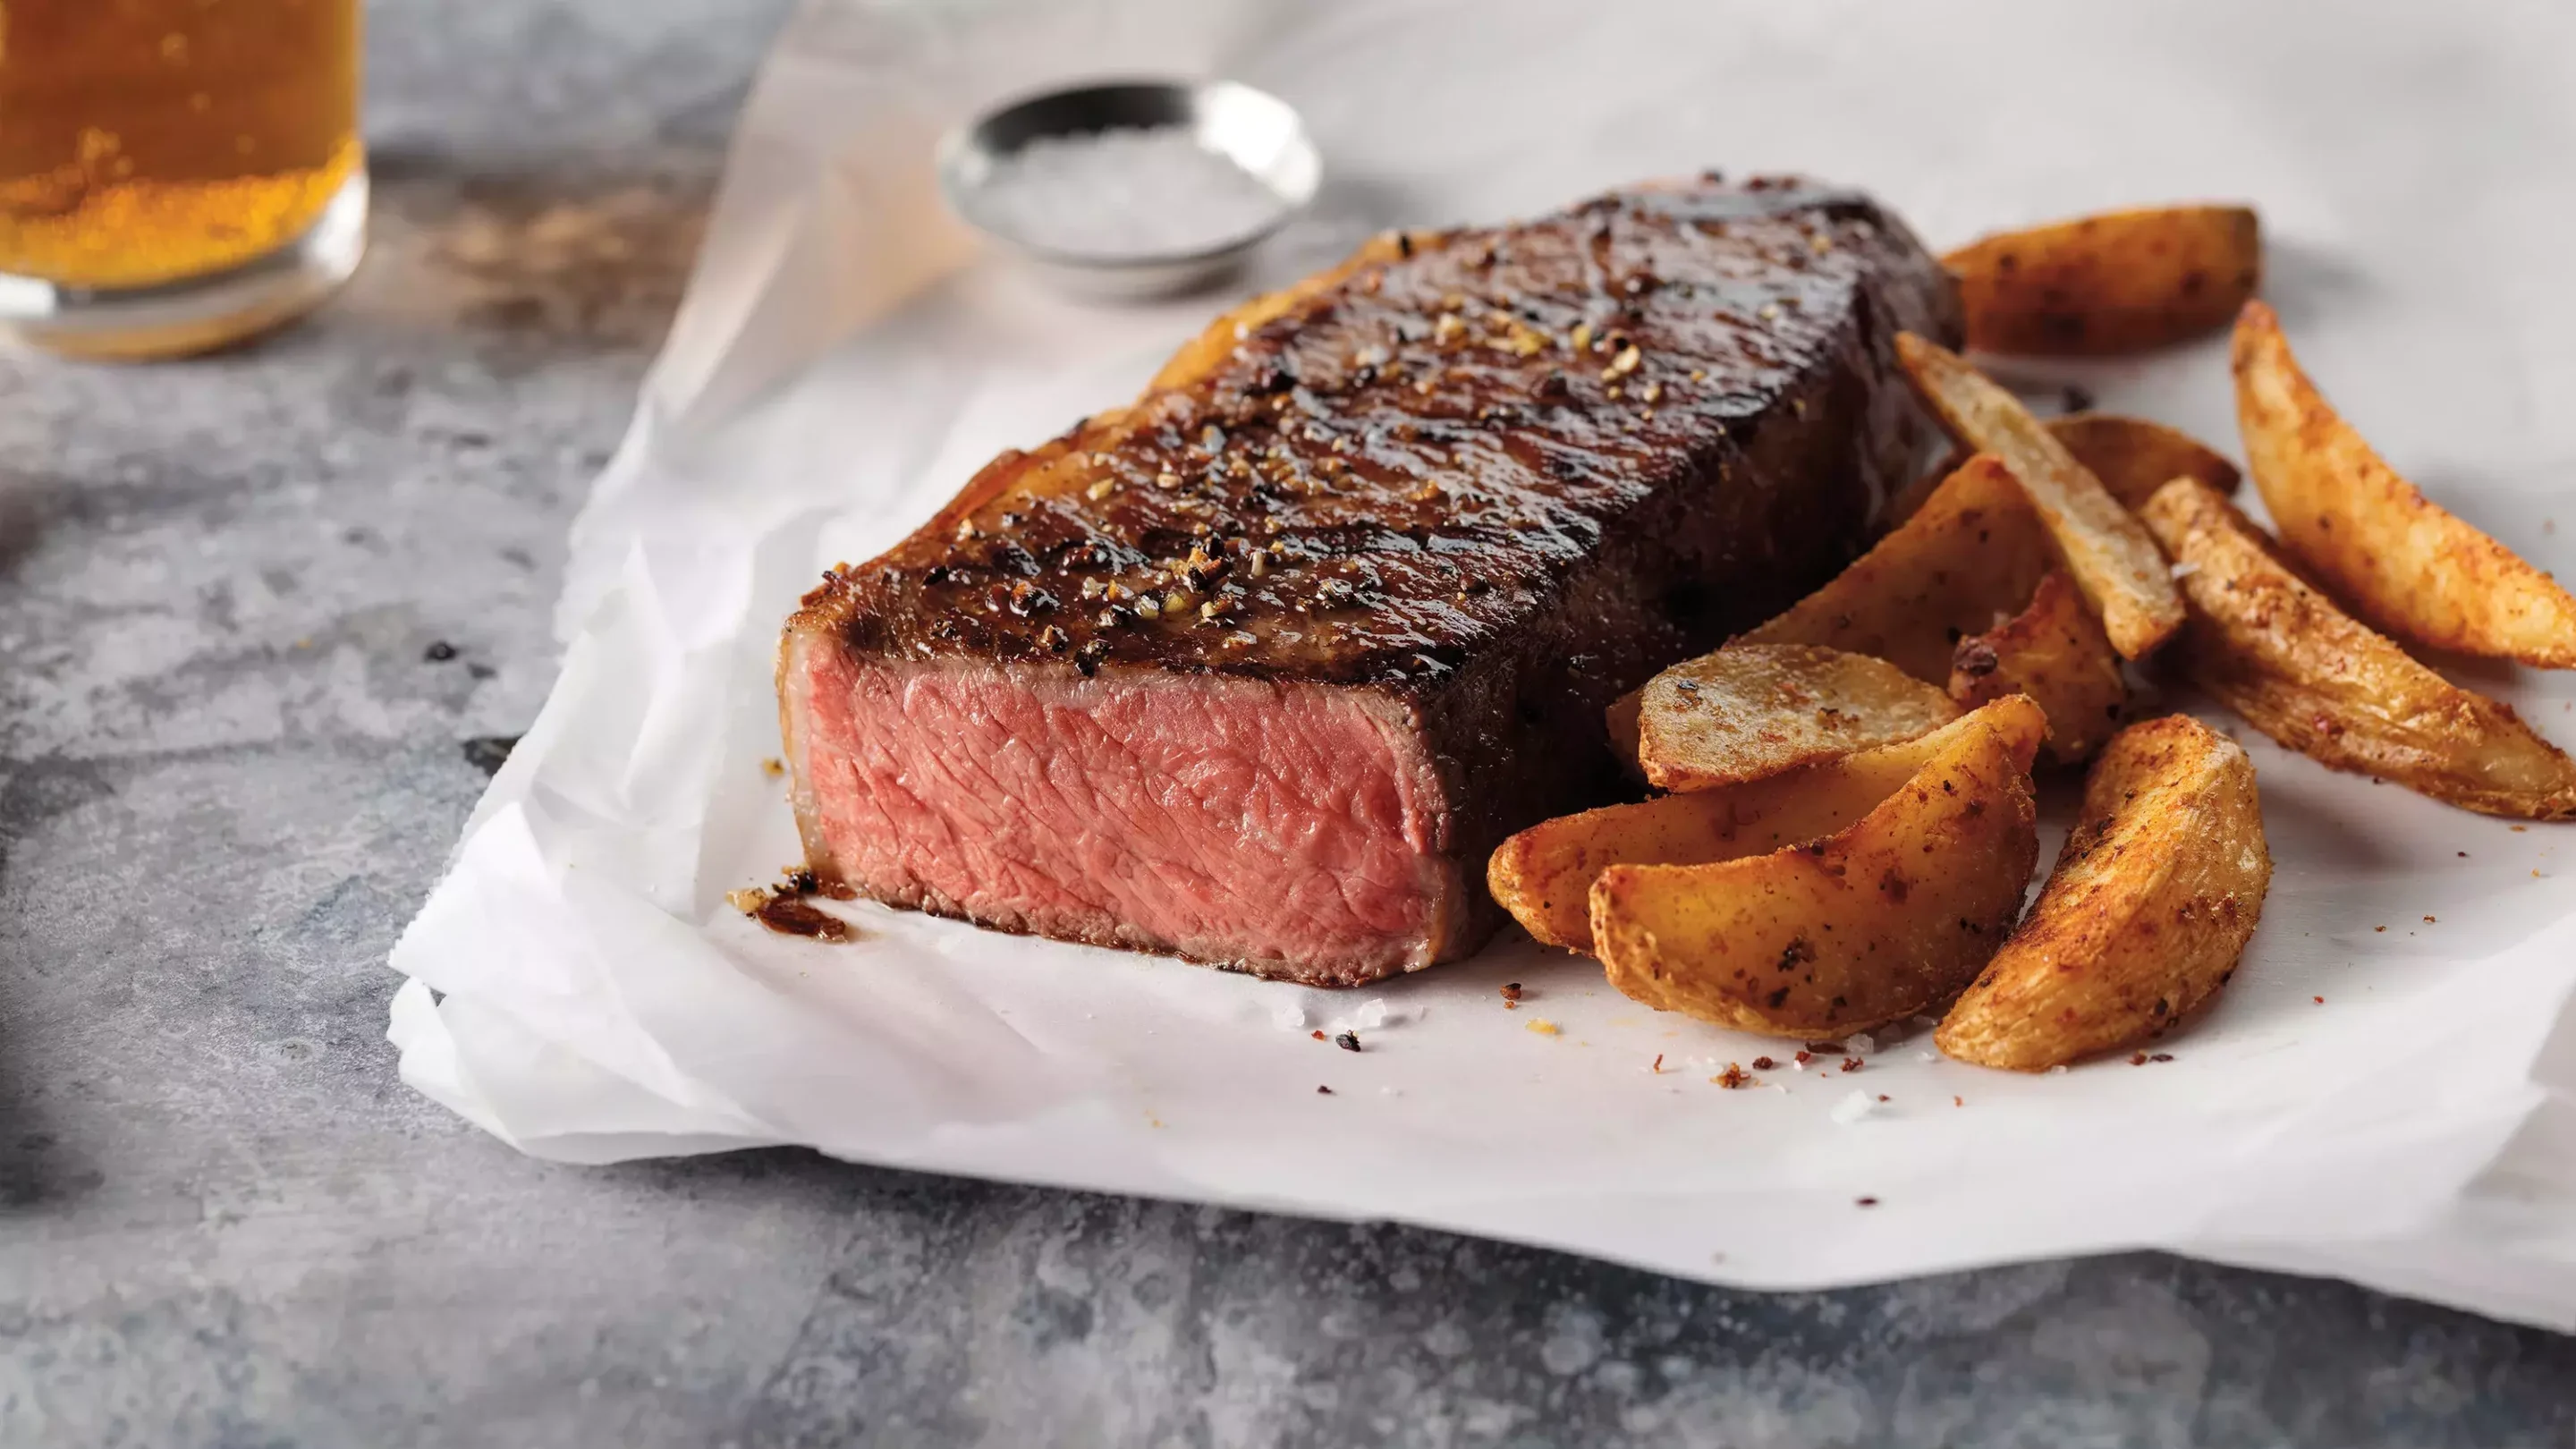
1256, 131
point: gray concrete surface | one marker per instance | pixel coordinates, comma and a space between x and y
229, 771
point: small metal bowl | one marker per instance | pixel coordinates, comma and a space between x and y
1258, 132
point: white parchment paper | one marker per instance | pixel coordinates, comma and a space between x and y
2383, 1094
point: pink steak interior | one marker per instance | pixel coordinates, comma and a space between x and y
1292, 828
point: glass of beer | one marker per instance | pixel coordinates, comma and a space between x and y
175, 174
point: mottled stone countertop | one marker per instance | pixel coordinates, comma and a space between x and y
230, 767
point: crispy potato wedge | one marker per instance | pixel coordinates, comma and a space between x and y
1970, 557
2132, 457
2396, 558
2055, 652
2118, 281
1621, 718
2299, 669
2155, 894
1544, 875
2100, 542
1892, 915
1751, 710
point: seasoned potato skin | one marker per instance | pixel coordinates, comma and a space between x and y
1544, 875
1890, 916
2053, 651
2099, 542
2157, 890
2114, 282
1751, 710
2280, 653
2397, 559
1620, 718
2133, 457
1970, 556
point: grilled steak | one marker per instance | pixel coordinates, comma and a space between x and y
1258, 669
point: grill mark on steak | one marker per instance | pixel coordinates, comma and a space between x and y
1439, 475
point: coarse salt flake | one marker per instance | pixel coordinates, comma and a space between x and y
1854, 1107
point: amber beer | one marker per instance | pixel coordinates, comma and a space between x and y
150, 142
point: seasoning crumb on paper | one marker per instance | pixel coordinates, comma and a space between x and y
1958, 1101
1763, 1064
1733, 1077
1511, 995
783, 908
2321, 1001
773, 767
1323, 1091
1348, 1041
1542, 1026
1318, 1034
2428, 920
1866, 1201
1658, 1067
1851, 1064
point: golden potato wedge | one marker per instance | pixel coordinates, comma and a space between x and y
2118, 281
2397, 559
2055, 652
1970, 557
2279, 652
2132, 457
2100, 542
2155, 894
1621, 718
1544, 875
1892, 915
1751, 710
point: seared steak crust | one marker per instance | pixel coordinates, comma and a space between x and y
1490, 477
